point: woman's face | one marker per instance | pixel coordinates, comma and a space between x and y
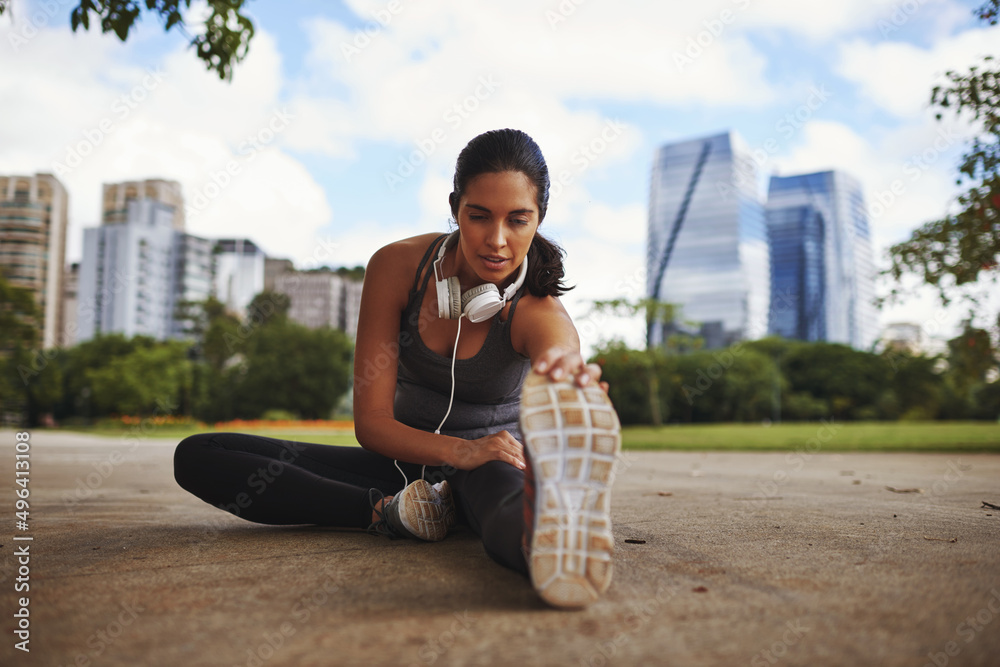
497, 218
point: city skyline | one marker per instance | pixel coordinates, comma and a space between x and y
339, 132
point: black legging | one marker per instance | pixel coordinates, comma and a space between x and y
285, 483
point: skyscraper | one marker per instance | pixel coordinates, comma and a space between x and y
127, 274
136, 272
798, 272
707, 247
823, 269
33, 218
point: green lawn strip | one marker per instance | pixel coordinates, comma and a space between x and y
835, 437
850, 436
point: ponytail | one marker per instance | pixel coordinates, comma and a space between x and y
545, 268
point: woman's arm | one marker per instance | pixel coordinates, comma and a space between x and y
388, 278
544, 332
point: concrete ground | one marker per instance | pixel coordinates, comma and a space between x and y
721, 559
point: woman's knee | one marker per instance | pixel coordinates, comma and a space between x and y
189, 456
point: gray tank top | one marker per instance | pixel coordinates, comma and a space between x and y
487, 385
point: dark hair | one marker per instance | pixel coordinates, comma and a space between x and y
498, 151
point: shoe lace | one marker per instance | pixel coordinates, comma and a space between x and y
381, 527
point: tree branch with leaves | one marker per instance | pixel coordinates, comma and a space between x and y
223, 43
956, 252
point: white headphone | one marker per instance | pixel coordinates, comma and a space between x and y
479, 303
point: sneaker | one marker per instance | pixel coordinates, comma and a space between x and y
420, 511
571, 438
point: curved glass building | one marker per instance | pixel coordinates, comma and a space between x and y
707, 247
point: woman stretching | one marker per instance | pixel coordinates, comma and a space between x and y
472, 401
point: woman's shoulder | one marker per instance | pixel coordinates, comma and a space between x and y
405, 250
397, 262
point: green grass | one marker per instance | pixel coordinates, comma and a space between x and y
837, 437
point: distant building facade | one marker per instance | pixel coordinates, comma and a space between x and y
33, 220
114, 202
823, 273
902, 336
239, 273
135, 273
322, 298
798, 273
707, 247
274, 267
71, 283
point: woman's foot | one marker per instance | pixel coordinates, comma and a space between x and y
420, 511
571, 438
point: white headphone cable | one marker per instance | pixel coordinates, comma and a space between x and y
451, 400
454, 355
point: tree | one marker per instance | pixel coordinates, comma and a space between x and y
290, 367
224, 42
650, 363
955, 252
30, 384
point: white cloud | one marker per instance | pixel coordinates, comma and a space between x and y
96, 117
899, 76
823, 20
907, 172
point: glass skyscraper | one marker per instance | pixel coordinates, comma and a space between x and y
798, 273
822, 268
707, 249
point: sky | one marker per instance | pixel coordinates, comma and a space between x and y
338, 134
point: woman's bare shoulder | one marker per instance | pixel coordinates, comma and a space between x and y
406, 250
397, 262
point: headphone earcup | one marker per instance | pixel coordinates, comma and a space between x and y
482, 302
449, 298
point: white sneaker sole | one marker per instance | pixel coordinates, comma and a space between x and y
573, 437
425, 512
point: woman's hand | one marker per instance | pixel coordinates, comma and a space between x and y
559, 364
501, 446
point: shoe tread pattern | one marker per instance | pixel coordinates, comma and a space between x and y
573, 437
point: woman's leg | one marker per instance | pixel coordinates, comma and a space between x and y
284, 482
491, 498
